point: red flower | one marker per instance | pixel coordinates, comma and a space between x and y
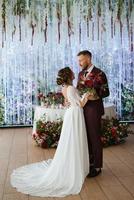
40, 95
59, 94
44, 144
113, 131
89, 83
34, 135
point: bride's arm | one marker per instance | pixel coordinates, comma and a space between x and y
75, 97
84, 99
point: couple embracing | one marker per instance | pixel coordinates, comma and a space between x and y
79, 152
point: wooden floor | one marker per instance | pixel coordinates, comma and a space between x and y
115, 183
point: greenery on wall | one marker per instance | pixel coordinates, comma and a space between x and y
24, 7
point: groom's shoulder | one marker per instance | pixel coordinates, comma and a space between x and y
98, 70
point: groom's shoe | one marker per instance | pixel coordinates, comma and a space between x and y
94, 172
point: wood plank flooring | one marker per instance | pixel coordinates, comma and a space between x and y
115, 183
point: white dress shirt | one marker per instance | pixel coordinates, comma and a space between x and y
89, 70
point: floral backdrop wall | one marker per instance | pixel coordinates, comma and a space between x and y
38, 37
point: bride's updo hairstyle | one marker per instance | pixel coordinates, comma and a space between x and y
64, 76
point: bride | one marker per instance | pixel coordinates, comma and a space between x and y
65, 173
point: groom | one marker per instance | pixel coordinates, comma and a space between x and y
96, 80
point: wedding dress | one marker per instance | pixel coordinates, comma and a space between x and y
65, 173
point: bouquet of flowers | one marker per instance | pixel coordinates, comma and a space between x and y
91, 84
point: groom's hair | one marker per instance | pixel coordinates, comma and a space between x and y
85, 52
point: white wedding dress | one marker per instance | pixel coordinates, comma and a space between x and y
65, 173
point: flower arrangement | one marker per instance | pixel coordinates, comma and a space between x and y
40, 98
114, 132
48, 133
52, 98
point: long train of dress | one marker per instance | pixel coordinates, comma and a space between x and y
65, 173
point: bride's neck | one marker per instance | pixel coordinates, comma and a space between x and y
66, 85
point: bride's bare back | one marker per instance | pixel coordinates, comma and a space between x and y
64, 92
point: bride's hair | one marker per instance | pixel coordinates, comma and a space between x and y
64, 76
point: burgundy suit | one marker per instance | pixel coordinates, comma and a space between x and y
93, 110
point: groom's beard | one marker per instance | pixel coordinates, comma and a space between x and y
85, 67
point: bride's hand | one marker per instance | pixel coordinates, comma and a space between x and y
88, 96
92, 96
66, 103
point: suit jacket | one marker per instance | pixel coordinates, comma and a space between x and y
102, 89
